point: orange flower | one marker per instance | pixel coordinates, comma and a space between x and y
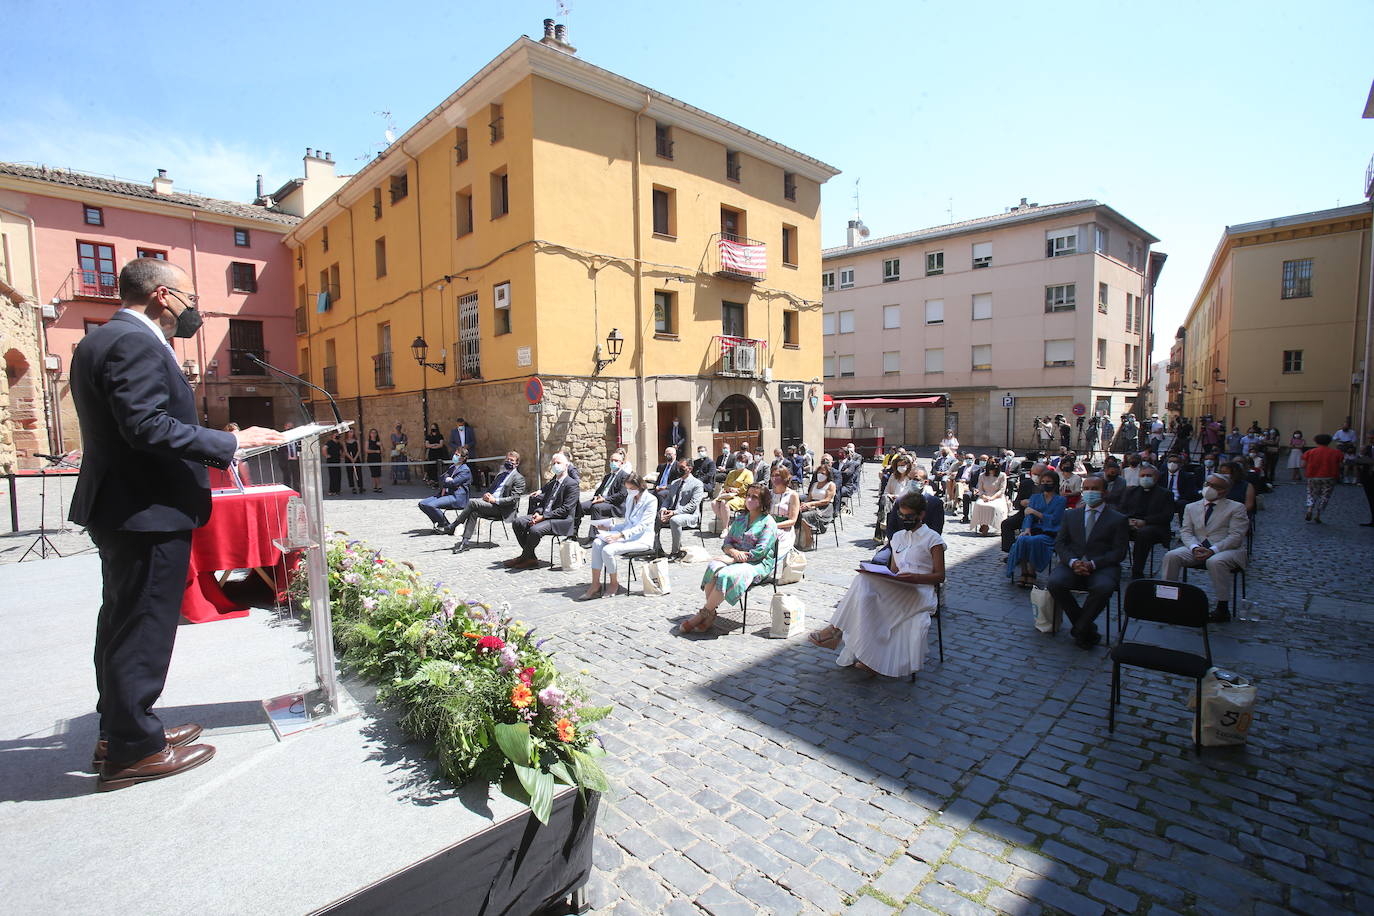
521, 696
473, 635
403, 591
566, 730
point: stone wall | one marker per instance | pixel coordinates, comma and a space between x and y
23, 417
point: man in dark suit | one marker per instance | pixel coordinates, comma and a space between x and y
462, 435
677, 436
1180, 483
1148, 508
1091, 545
667, 472
554, 514
143, 488
1116, 484
608, 499
704, 469
934, 517
725, 462
851, 472
454, 487
499, 502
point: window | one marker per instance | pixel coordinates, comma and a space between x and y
732, 169
324, 239
892, 362
982, 306
665, 315
935, 311
1292, 361
376, 203
329, 286
1060, 298
790, 336
1130, 308
500, 297
732, 224
1059, 352
847, 321
497, 122
400, 187
302, 310
469, 338
892, 316
90, 324
846, 277
1130, 253
1061, 242
1139, 315
732, 319
935, 263
846, 367
827, 281
1099, 240
935, 360
789, 185
828, 323
1297, 278
241, 238
152, 253
828, 367
379, 250
500, 193
982, 357
982, 255
244, 277
96, 264
665, 215
892, 269
462, 207
245, 339
663, 141
381, 361
460, 146
93, 216
1102, 303
1126, 360
1101, 353
304, 364
789, 245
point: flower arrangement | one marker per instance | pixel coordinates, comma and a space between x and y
468, 676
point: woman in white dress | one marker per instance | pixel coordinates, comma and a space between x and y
785, 507
819, 506
883, 620
898, 482
950, 441
990, 508
634, 532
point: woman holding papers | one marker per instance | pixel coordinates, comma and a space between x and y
882, 621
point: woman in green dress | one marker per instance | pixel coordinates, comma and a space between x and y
749, 554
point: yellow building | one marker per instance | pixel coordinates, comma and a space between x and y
1278, 332
542, 216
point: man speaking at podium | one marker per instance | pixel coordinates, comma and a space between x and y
143, 488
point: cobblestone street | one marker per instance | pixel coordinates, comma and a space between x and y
753, 775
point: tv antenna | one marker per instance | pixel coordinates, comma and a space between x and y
863, 230
389, 134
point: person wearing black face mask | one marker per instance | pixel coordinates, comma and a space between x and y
498, 503
1034, 546
143, 488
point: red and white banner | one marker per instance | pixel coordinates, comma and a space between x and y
742, 258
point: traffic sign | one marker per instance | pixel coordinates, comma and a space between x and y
1242, 402
536, 408
1008, 401
1079, 410
828, 402
534, 390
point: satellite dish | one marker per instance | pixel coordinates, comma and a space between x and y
390, 135
864, 231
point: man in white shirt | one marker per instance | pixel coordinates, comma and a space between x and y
1213, 535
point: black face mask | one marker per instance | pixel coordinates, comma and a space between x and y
188, 322
1049, 487
510, 465
907, 522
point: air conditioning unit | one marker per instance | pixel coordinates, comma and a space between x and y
744, 359
502, 295
52, 362
49, 311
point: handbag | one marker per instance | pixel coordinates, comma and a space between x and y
793, 568
655, 580
571, 555
1047, 616
789, 616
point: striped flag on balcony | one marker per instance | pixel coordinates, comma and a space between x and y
742, 258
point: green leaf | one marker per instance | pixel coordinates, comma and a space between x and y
514, 741
593, 713
539, 785
589, 772
560, 771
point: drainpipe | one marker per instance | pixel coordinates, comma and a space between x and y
1368, 340
420, 260
357, 351
644, 457
200, 334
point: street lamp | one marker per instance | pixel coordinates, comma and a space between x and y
614, 344
419, 349
1216, 377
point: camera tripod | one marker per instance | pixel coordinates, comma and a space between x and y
43, 544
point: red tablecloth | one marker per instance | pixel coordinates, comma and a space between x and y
238, 536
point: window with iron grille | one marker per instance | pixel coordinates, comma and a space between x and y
469, 339
245, 337
498, 123
663, 141
244, 277
789, 185
324, 239
1297, 278
1292, 361
400, 187
732, 168
376, 203
93, 216
381, 361
460, 146
1060, 298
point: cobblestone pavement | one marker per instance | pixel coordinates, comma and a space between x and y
753, 775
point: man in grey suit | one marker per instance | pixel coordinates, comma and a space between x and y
499, 502
681, 507
1091, 545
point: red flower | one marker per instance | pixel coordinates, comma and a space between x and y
527, 676
490, 644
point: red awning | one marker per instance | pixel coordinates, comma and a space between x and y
925, 400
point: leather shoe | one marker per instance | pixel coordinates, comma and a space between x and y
1222, 614
167, 762
461, 546
526, 563
513, 562
1088, 641
177, 736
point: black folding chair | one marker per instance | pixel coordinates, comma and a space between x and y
1237, 578
647, 554
770, 579
1172, 604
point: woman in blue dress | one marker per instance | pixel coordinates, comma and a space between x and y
749, 553
1034, 546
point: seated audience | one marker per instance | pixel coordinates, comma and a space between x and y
1090, 545
553, 509
989, 507
633, 533
785, 506
750, 551
1213, 535
679, 509
1116, 485
609, 496
499, 502
1148, 508
1034, 546
818, 505
453, 492
731, 497
1027, 484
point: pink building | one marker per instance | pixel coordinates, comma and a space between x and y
84, 228
1041, 307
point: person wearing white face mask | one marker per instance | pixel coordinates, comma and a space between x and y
608, 498
1182, 485
1090, 545
554, 513
634, 533
731, 498
748, 553
817, 508
1213, 536
704, 469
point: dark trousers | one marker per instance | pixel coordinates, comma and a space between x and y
1144, 540
434, 506
597, 512
143, 576
529, 534
1367, 481
1100, 586
1010, 526
335, 478
474, 512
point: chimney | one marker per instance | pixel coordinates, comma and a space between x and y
548, 30
560, 33
851, 234
162, 184
556, 36
259, 194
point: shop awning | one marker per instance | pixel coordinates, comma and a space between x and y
925, 400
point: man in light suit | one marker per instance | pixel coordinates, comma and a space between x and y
1213, 535
608, 499
680, 507
554, 509
462, 435
453, 492
143, 488
500, 501
1090, 545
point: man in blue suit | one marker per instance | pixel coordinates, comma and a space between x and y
453, 492
142, 490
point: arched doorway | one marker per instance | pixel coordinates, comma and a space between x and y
736, 421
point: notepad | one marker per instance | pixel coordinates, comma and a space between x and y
876, 568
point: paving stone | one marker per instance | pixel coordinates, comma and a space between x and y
1058, 896
980, 863
961, 880
867, 905
1118, 899
900, 878
814, 890
767, 895
640, 844
715, 861
722, 901
1075, 857
944, 900
640, 885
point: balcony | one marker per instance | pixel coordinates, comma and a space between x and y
330, 381
90, 284
240, 364
381, 370
737, 357
735, 257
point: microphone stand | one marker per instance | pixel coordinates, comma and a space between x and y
334, 405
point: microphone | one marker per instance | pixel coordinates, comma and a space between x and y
338, 419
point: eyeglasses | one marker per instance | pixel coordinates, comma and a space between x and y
191, 299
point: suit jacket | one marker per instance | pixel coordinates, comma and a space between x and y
457, 481
145, 452
1105, 546
1155, 506
557, 502
684, 496
612, 488
725, 461
678, 437
1226, 530
510, 499
465, 436
637, 527
1116, 491
673, 473
704, 469
1188, 487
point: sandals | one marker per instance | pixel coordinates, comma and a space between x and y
588, 595
824, 642
702, 625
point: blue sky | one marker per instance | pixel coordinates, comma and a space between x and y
1185, 117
